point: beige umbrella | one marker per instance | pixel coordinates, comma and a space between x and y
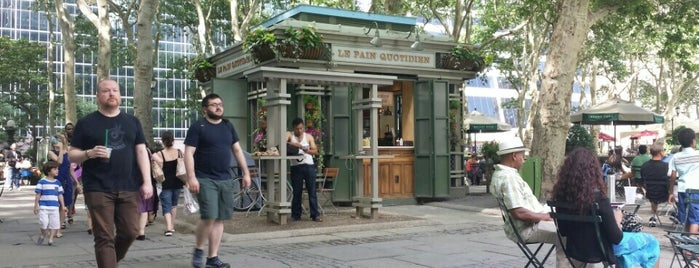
476, 122
617, 112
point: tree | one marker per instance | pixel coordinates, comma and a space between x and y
23, 78
143, 66
579, 137
104, 29
573, 21
68, 39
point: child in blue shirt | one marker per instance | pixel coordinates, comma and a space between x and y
48, 201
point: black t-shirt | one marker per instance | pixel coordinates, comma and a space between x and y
121, 173
213, 143
654, 176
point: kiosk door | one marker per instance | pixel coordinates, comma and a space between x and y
431, 139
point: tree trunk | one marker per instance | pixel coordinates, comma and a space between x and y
551, 119
68, 39
143, 67
201, 27
101, 23
50, 120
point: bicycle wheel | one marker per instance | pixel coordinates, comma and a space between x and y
246, 199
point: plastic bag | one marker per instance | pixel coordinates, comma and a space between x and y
190, 204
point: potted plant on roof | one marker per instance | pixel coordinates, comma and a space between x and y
202, 69
302, 43
261, 43
464, 59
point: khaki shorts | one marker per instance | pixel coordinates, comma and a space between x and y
215, 199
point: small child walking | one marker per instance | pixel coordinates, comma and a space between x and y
48, 201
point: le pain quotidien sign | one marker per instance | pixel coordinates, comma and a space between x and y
383, 57
234, 65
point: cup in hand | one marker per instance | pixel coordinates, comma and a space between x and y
109, 155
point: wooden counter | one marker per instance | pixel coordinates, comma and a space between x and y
395, 174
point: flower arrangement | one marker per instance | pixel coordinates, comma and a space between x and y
260, 133
314, 126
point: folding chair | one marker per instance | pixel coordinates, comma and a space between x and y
327, 187
681, 242
524, 246
559, 214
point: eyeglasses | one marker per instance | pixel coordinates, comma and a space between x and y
215, 105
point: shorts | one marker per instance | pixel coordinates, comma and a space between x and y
49, 218
215, 199
168, 199
693, 217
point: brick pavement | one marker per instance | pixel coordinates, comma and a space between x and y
462, 232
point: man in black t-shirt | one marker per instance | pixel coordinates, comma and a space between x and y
655, 180
207, 158
116, 173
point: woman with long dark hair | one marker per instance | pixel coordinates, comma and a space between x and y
167, 158
580, 183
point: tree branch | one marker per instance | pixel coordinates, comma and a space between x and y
497, 36
87, 12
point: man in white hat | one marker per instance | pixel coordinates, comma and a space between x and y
531, 218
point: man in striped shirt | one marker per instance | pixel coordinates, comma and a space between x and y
684, 168
48, 201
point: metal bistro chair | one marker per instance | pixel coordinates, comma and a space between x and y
327, 187
682, 241
558, 215
524, 246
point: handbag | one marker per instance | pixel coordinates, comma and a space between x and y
181, 170
157, 171
291, 150
190, 205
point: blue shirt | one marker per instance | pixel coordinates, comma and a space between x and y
213, 143
49, 191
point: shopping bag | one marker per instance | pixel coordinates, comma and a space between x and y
190, 204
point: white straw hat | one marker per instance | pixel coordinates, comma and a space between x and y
511, 145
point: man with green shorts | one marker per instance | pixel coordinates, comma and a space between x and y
207, 158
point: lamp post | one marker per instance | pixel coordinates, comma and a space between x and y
10, 131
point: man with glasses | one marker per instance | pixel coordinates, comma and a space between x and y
207, 158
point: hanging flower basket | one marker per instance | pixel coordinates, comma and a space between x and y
205, 74
263, 53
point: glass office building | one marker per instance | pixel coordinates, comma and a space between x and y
20, 19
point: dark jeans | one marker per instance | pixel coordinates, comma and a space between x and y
109, 211
15, 178
300, 175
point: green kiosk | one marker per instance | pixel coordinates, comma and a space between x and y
375, 93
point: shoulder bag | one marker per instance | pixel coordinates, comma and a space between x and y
181, 170
157, 171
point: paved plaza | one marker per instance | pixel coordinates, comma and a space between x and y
464, 232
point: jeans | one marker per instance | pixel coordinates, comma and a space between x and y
300, 175
16, 177
109, 211
168, 199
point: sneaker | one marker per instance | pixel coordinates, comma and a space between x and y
215, 262
169, 233
198, 258
40, 241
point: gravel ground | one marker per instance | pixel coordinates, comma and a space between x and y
243, 222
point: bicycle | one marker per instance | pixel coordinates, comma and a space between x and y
252, 197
